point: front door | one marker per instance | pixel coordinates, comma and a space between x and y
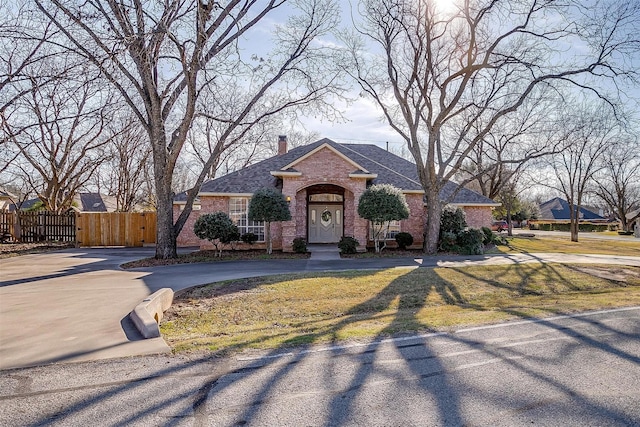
325, 223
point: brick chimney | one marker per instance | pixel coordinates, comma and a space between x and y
282, 145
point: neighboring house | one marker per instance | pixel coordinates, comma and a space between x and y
6, 200
82, 202
635, 225
25, 204
323, 182
94, 202
557, 209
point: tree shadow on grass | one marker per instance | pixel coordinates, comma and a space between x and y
426, 374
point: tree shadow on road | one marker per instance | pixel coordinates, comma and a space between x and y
341, 390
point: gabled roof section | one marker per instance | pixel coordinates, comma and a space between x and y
558, 209
331, 147
370, 162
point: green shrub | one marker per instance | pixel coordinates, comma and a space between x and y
268, 205
448, 242
404, 239
452, 220
470, 241
300, 245
565, 226
488, 236
348, 245
499, 240
380, 204
218, 228
249, 238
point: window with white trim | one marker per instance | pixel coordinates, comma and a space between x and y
239, 214
386, 233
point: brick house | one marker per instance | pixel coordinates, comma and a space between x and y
323, 182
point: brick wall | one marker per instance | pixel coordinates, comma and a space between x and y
414, 225
478, 216
209, 205
323, 167
326, 167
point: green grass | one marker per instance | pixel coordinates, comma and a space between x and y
564, 245
283, 311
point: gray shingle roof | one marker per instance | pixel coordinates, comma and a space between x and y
389, 168
558, 208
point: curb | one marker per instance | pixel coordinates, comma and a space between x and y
148, 313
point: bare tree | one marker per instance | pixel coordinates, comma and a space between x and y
245, 148
618, 182
446, 78
161, 56
498, 160
589, 131
23, 45
58, 131
126, 172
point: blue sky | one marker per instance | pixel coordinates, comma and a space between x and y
364, 122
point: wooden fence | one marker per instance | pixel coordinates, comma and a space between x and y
30, 227
84, 229
116, 228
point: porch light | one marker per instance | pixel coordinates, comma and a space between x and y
288, 199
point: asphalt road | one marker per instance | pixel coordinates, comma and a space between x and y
73, 305
568, 371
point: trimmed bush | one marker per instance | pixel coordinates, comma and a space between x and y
217, 228
488, 236
565, 226
348, 245
448, 242
380, 204
268, 205
470, 241
300, 245
404, 239
249, 238
452, 221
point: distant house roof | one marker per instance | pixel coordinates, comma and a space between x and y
95, 202
83, 202
558, 209
366, 159
26, 204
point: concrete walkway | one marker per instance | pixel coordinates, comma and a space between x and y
328, 252
73, 305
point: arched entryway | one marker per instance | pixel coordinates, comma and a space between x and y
325, 213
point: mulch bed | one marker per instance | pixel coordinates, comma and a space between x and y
8, 250
212, 256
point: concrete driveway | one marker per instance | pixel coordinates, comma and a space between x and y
73, 305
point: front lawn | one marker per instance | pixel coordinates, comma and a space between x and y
564, 245
282, 311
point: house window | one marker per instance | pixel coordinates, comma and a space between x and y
323, 198
239, 214
386, 233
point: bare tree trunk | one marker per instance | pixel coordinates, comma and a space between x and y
509, 223
166, 243
432, 226
573, 225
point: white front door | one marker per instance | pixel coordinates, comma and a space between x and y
325, 223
